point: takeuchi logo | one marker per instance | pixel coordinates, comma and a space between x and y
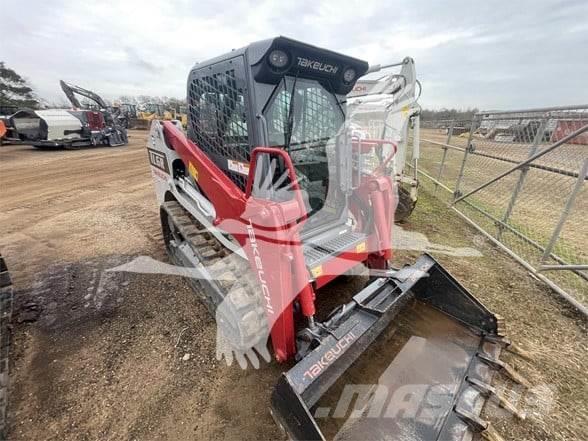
330, 356
317, 65
259, 267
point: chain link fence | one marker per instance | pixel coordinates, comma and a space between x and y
519, 177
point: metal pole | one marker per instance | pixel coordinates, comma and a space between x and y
523, 237
450, 131
566, 211
441, 167
522, 176
539, 109
526, 162
559, 171
442, 144
440, 184
444, 157
579, 306
562, 267
463, 162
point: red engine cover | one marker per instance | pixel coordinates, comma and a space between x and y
95, 120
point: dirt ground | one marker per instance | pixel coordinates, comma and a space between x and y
102, 355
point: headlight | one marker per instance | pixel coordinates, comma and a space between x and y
349, 75
278, 59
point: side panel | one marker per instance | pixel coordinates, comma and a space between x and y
60, 124
228, 200
161, 158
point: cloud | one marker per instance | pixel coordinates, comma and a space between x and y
488, 55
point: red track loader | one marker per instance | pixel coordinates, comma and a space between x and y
269, 197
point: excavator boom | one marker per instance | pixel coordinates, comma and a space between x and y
71, 90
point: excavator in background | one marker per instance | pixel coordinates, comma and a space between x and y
71, 91
271, 195
115, 115
78, 127
81, 126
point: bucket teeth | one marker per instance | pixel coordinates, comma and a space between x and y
478, 425
517, 350
509, 346
500, 325
490, 393
490, 434
505, 368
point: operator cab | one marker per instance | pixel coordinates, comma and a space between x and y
285, 94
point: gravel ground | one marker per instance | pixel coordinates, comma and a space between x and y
104, 355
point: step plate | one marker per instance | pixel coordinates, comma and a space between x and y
316, 253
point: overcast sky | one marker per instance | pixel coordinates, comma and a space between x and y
491, 55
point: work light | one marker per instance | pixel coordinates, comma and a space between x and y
349, 75
278, 59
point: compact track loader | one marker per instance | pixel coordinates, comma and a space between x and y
269, 197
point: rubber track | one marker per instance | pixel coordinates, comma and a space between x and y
243, 302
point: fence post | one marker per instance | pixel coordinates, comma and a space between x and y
522, 175
445, 148
473, 128
450, 131
566, 211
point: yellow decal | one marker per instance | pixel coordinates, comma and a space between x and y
193, 171
405, 110
317, 271
360, 248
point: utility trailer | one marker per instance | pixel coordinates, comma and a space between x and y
269, 197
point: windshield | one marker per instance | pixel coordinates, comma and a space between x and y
304, 118
311, 119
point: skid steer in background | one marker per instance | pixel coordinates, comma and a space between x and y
385, 107
267, 198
